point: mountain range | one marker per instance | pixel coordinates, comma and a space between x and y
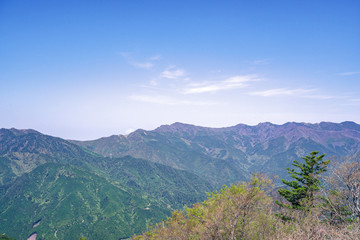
58, 190
114, 187
231, 154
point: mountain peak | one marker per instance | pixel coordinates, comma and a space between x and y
351, 125
18, 132
175, 127
266, 124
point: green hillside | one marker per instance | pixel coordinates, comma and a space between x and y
68, 202
23, 150
64, 191
170, 187
231, 154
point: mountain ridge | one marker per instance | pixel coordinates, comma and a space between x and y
237, 151
40, 174
160, 170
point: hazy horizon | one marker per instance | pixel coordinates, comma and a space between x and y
129, 131
85, 70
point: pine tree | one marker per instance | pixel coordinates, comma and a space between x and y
306, 182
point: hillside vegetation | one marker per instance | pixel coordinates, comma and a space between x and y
62, 191
116, 187
247, 210
231, 154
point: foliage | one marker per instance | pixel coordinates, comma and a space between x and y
306, 182
173, 188
343, 199
72, 202
334, 208
72, 192
4, 237
245, 211
241, 211
313, 227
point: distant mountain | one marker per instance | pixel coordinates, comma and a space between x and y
23, 150
62, 191
225, 155
113, 187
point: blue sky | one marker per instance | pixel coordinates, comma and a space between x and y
87, 69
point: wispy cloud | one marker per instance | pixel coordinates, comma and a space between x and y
348, 73
155, 57
143, 65
147, 64
230, 83
129, 130
281, 92
167, 100
173, 73
311, 93
261, 62
153, 83
354, 101
322, 96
